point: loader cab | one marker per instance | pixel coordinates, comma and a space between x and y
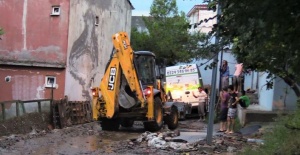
145, 64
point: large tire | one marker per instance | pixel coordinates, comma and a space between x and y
126, 122
110, 124
172, 119
157, 124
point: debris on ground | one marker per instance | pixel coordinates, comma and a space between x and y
91, 139
163, 141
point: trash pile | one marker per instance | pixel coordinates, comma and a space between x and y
220, 144
164, 140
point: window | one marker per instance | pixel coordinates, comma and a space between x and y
55, 11
50, 81
97, 21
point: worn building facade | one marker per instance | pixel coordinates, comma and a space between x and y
92, 24
33, 49
201, 13
62, 45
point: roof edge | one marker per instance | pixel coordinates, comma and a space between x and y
197, 7
130, 4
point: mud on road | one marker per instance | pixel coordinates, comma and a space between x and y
90, 139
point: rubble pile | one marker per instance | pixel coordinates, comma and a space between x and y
165, 141
160, 140
75, 131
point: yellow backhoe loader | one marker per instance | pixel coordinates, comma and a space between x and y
129, 91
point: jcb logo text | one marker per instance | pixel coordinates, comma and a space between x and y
112, 78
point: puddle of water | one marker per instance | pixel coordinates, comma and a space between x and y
109, 138
56, 144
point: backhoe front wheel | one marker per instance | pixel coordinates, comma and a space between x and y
172, 119
157, 124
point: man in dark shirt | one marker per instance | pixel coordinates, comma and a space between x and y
232, 110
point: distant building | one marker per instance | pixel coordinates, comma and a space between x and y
138, 23
197, 17
201, 19
60, 44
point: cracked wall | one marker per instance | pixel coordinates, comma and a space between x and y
90, 45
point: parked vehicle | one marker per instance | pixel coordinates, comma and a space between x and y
181, 81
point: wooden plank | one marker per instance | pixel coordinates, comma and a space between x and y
17, 109
39, 106
3, 110
23, 108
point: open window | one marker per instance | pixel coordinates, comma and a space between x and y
97, 21
50, 81
55, 11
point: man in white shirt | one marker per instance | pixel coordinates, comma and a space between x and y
202, 101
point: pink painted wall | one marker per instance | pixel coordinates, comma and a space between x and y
32, 36
28, 83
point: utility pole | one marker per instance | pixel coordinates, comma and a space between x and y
210, 126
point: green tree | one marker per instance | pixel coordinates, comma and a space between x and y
167, 35
140, 40
264, 35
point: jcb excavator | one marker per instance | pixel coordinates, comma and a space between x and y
129, 91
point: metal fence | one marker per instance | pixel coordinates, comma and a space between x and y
63, 112
16, 108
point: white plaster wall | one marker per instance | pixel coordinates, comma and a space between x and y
89, 46
265, 96
251, 80
204, 27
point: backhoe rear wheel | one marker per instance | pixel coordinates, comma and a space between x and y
157, 124
172, 119
110, 124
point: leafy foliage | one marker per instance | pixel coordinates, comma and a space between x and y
1, 31
140, 40
264, 35
168, 35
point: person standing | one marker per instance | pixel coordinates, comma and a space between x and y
237, 77
232, 110
224, 74
201, 106
224, 96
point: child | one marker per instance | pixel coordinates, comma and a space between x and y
244, 100
232, 110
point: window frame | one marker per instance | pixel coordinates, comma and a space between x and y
50, 85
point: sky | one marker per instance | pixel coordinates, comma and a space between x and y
142, 7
